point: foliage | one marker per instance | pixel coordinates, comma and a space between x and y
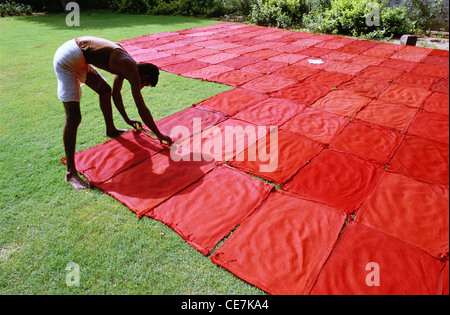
349, 17
11, 8
426, 13
279, 13
243, 7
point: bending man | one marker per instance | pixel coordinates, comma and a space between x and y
74, 64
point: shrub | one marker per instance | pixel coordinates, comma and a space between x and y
349, 17
279, 13
243, 7
11, 8
426, 13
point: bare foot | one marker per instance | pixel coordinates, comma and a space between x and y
116, 133
77, 182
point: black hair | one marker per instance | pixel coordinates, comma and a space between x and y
150, 71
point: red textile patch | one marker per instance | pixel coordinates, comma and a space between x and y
106, 160
207, 73
217, 58
181, 68
329, 79
430, 70
347, 271
186, 119
288, 58
366, 87
236, 78
381, 73
405, 95
204, 227
417, 80
431, 126
438, 103
340, 180
388, 114
342, 102
268, 84
307, 232
442, 86
296, 72
277, 163
149, 183
368, 141
233, 101
315, 124
303, 93
399, 64
423, 159
263, 54
271, 112
347, 68
239, 62
265, 66
396, 207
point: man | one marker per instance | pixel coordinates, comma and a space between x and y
74, 64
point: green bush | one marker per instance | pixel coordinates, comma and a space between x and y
11, 8
279, 13
426, 13
349, 17
58, 5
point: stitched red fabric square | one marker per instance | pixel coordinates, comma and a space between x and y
233, 101
303, 93
412, 211
342, 102
430, 70
307, 232
431, 126
277, 163
381, 73
239, 62
423, 159
368, 141
365, 86
268, 84
271, 112
236, 78
338, 179
296, 72
388, 114
147, 184
207, 73
442, 86
316, 124
437, 103
265, 66
407, 95
203, 217
417, 80
108, 159
329, 79
363, 256
347, 68
184, 67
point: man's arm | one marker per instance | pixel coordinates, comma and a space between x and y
118, 102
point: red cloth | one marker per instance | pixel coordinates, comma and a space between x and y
403, 269
282, 247
269, 83
438, 103
265, 66
407, 95
388, 114
217, 58
154, 180
106, 160
233, 101
347, 68
296, 72
432, 70
271, 112
442, 86
204, 226
342, 102
381, 73
316, 124
236, 78
292, 153
187, 118
340, 180
417, 80
184, 67
303, 93
431, 126
329, 79
207, 73
423, 159
412, 211
368, 141
367, 87
239, 62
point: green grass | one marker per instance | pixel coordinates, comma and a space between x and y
44, 223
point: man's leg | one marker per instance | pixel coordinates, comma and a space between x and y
73, 120
99, 85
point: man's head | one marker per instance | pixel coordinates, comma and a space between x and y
149, 74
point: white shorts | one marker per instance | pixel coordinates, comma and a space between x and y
71, 70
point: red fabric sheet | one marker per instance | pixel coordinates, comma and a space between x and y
271, 112
207, 73
203, 227
188, 118
282, 247
265, 66
154, 180
403, 269
269, 83
106, 160
423, 159
236, 78
184, 67
367, 87
438, 103
316, 124
303, 93
407, 95
329, 79
431, 126
296, 72
381, 73
340, 180
292, 153
409, 210
417, 80
233, 101
342, 102
368, 141
388, 114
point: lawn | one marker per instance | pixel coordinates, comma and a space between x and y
44, 223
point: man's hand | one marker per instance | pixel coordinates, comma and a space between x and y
135, 124
165, 139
